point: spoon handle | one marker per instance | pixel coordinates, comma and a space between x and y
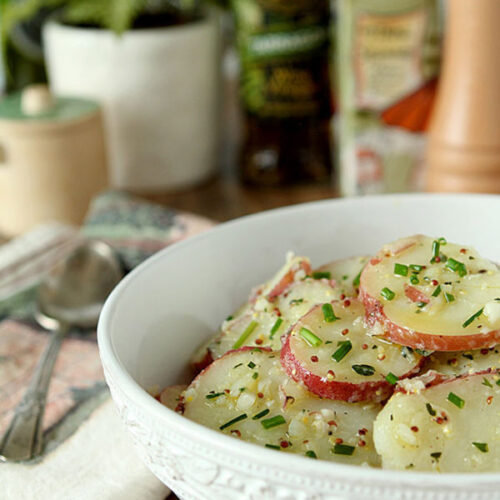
23, 438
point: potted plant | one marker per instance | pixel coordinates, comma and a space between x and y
154, 66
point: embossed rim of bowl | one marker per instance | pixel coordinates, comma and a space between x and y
293, 463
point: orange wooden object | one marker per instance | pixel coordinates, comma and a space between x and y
464, 145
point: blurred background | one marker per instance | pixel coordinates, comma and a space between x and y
262, 93
225, 107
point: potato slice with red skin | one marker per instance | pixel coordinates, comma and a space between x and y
261, 298
171, 396
314, 366
296, 268
267, 322
452, 364
423, 316
245, 392
442, 426
291, 298
346, 273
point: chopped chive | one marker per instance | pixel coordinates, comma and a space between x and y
328, 313
251, 365
268, 423
435, 250
235, 420
468, 356
430, 409
355, 281
481, 447
437, 291
416, 268
391, 378
442, 241
214, 395
275, 327
472, 318
343, 449
387, 293
414, 279
255, 375
272, 446
456, 266
229, 318
246, 333
344, 277
344, 347
456, 400
421, 304
449, 297
436, 455
310, 338
400, 270
295, 302
238, 365
365, 370
486, 382
317, 275
310, 454
261, 414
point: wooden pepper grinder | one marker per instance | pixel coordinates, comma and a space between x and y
464, 138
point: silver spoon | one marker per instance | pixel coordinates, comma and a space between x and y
72, 294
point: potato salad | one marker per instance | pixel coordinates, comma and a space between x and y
389, 360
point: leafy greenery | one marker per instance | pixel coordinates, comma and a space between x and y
115, 15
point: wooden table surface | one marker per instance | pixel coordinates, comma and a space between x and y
224, 198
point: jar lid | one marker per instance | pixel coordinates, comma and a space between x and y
36, 103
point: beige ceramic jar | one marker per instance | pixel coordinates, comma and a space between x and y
52, 159
464, 146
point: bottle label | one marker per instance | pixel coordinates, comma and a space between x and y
388, 57
283, 49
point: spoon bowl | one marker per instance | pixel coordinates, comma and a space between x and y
75, 290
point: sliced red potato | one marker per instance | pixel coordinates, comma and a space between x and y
258, 329
261, 299
247, 395
295, 269
171, 396
450, 426
449, 302
331, 352
346, 273
453, 364
268, 321
204, 355
300, 297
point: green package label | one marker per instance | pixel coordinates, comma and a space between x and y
284, 57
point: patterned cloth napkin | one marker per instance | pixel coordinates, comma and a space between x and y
86, 452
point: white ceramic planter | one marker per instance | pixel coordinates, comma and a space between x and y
159, 91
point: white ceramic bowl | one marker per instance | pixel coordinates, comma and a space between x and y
158, 315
